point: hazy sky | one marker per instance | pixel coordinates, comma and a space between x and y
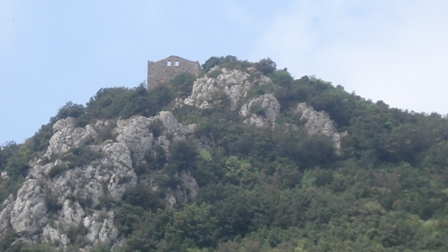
53, 51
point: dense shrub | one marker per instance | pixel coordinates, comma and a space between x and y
214, 61
183, 155
264, 189
183, 84
266, 66
80, 156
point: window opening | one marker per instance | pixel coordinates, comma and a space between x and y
168, 63
176, 63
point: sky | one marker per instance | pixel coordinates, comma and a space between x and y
53, 52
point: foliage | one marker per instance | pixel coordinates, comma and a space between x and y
267, 189
214, 61
7, 239
183, 84
144, 197
108, 103
266, 66
229, 62
214, 74
80, 156
71, 110
282, 78
111, 103
57, 169
183, 156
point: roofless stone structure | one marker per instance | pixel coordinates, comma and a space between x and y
165, 70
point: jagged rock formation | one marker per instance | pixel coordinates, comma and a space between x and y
57, 198
233, 83
319, 123
66, 136
261, 111
62, 193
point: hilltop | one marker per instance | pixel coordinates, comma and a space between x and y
243, 157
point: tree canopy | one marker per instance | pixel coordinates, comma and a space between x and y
271, 190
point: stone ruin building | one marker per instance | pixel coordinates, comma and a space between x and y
165, 70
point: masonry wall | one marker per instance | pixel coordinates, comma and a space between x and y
166, 69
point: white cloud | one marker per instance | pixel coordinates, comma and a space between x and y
394, 52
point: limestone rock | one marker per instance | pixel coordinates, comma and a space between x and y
66, 136
319, 123
4, 175
261, 111
135, 134
233, 83
57, 197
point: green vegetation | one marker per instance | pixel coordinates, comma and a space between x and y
183, 84
273, 190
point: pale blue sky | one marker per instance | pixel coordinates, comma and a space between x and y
52, 52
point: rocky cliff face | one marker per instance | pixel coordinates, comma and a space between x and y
262, 110
86, 168
235, 84
60, 196
319, 123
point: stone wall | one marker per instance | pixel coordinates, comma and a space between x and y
166, 69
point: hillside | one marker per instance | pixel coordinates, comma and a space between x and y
242, 158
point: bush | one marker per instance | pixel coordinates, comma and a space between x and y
70, 109
266, 66
57, 169
51, 202
100, 248
214, 61
108, 103
17, 165
315, 150
214, 74
76, 234
144, 197
156, 127
257, 108
183, 155
282, 78
80, 156
183, 84
8, 237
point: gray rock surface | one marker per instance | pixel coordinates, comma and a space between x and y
52, 202
66, 136
59, 196
319, 123
233, 83
261, 111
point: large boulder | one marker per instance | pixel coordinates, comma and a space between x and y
233, 83
318, 122
261, 111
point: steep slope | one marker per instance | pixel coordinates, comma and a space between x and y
72, 187
82, 172
243, 158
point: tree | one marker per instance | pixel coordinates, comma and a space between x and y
266, 66
282, 78
183, 84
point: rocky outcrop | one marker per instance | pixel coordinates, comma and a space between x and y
264, 110
261, 111
73, 188
66, 136
65, 195
233, 83
319, 123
